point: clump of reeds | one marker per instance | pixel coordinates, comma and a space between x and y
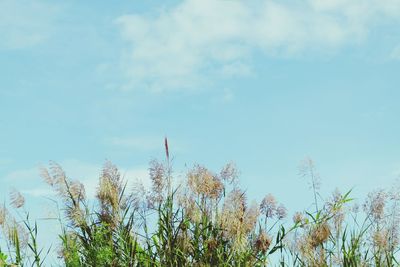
205, 219
20, 235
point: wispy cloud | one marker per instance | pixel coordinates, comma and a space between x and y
25, 175
183, 46
40, 191
395, 54
25, 23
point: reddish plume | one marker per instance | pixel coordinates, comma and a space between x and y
166, 147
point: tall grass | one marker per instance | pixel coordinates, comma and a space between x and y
203, 220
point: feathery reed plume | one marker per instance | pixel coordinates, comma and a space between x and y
320, 234
77, 190
337, 211
233, 213
192, 210
263, 242
307, 169
2, 215
251, 217
109, 194
139, 196
375, 204
281, 212
298, 218
229, 173
17, 199
110, 184
48, 179
57, 179
12, 230
237, 220
71, 193
202, 182
381, 239
268, 206
394, 216
166, 148
158, 179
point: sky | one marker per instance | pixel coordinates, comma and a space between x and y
260, 83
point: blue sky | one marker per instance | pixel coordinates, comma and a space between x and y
261, 83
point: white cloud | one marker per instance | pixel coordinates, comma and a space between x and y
24, 23
184, 46
38, 192
22, 175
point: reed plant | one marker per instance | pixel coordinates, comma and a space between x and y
202, 220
